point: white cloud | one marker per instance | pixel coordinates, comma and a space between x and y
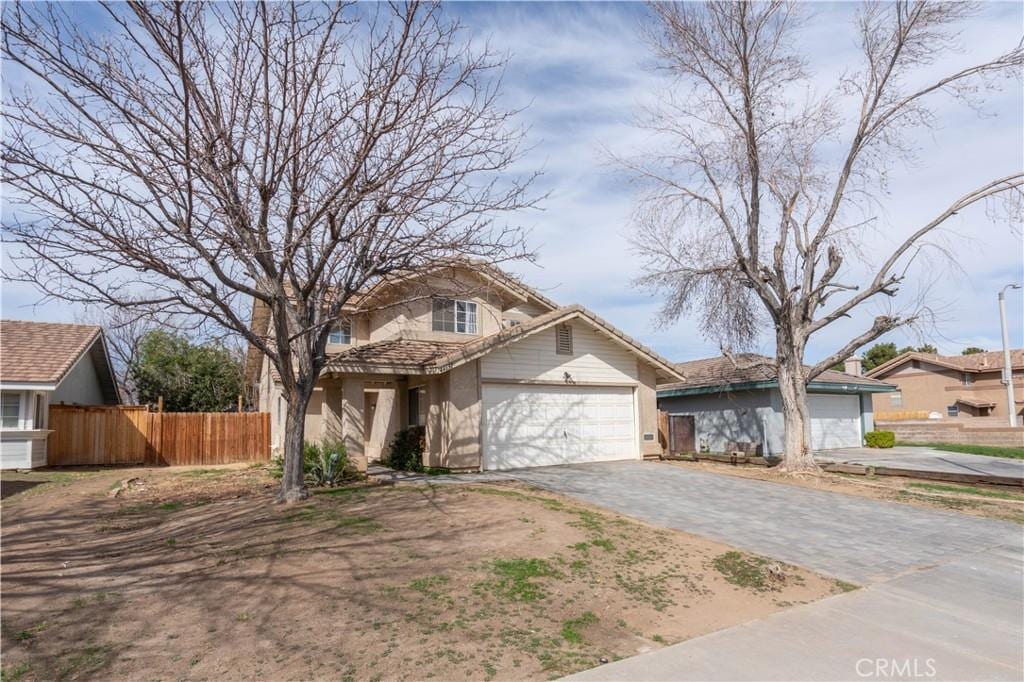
581, 69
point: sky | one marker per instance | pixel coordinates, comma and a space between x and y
582, 72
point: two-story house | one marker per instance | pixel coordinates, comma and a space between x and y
499, 376
950, 386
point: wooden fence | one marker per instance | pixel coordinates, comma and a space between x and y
134, 435
901, 415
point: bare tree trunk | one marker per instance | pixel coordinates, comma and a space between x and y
293, 482
797, 456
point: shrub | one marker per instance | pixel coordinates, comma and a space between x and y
406, 452
880, 439
324, 464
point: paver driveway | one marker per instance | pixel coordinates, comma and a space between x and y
944, 590
927, 459
853, 538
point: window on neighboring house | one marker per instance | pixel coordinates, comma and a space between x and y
341, 333
451, 315
897, 399
563, 340
966, 379
40, 416
10, 410
953, 410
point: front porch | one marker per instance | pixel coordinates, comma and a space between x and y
365, 411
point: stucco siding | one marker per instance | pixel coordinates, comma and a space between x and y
595, 359
461, 434
81, 385
412, 318
647, 409
723, 417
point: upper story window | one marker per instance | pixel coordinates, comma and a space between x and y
966, 379
341, 333
10, 410
451, 315
563, 340
896, 399
953, 410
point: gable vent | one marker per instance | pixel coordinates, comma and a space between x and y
563, 340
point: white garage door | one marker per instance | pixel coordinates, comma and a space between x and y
835, 421
528, 426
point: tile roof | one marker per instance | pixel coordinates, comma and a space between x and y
41, 352
989, 361
436, 357
748, 368
410, 353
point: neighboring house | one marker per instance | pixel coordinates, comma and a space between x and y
43, 364
499, 376
724, 401
951, 386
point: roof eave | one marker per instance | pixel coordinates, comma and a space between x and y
816, 386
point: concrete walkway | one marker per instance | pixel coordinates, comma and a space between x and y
944, 595
927, 459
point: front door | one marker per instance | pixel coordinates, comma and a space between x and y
682, 434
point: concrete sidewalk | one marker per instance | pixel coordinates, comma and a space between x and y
957, 621
927, 459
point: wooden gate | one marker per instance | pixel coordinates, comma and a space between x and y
96, 435
681, 434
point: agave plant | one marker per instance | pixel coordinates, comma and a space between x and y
325, 465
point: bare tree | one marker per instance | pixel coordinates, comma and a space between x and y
750, 213
199, 159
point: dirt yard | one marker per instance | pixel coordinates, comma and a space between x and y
196, 574
991, 501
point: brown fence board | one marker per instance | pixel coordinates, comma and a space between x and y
133, 435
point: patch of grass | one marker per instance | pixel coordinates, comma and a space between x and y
986, 450
15, 673
428, 585
436, 471
571, 627
659, 639
948, 502
581, 547
966, 490
744, 570
648, 588
170, 506
490, 670
515, 578
171, 542
844, 586
84, 662
603, 543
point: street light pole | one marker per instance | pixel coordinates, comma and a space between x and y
1007, 368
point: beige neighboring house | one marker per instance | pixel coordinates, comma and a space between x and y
950, 386
499, 376
43, 364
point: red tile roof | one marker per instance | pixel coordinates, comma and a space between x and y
989, 361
